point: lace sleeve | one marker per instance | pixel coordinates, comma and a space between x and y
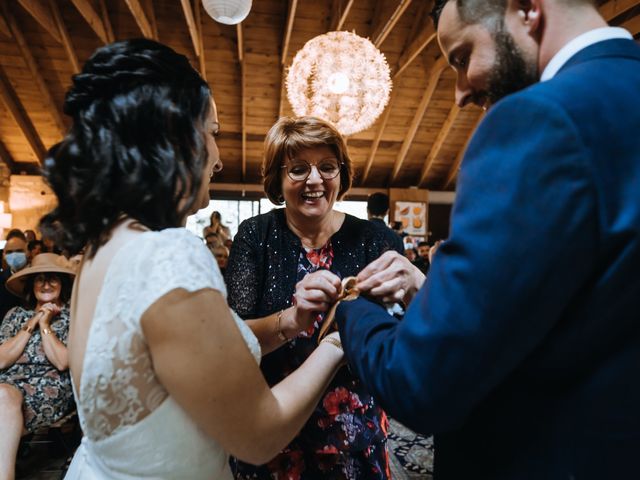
243, 271
179, 260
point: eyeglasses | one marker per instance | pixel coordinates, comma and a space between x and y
41, 278
299, 170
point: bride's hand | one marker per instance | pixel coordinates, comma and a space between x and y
334, 339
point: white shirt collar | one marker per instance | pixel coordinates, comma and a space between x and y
579, 43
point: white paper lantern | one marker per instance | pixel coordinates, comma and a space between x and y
228, 12
342, 78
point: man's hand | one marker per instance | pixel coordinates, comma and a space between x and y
391, 278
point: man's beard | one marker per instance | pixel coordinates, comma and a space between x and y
511, 71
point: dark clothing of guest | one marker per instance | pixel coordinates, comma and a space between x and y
346, 435
7, 299
391, 237
47, 391
422, 264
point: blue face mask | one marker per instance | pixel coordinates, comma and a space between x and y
16, 260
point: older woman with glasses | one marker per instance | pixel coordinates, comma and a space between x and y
284, 274
35, 387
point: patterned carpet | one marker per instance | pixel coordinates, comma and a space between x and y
411, 454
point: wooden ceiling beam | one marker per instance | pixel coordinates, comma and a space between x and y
613, 8
64, 34
243, 89
384, 31
633, 25
29, 59
376, 141
191, 24
42, 15
151, 14
4, 28
424, 38
106, 22
17, 168
291, 15
198, 19
436, 72
339, 14
17, 112
455, 167
438, 143
92, 18
139, 15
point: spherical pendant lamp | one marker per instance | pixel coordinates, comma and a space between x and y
228, 12
342, 78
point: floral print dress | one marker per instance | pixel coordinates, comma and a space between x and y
47, 391
345, 438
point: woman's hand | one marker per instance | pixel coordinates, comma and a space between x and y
391, 278
314, 294
47, 312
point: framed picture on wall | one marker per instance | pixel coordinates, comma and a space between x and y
413, 216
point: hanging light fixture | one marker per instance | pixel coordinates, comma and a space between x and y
228, 12
342, 78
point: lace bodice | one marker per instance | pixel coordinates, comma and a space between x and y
118, 387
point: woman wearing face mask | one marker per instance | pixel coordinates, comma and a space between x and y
35, 387
286, 265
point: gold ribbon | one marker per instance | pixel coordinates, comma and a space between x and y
348, 292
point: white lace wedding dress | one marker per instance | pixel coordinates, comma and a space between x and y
132, 428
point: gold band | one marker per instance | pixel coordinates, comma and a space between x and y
279, 331
46, 331
333, 341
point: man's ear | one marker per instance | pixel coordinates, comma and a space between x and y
529, 13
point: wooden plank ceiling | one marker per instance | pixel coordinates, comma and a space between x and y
417, 141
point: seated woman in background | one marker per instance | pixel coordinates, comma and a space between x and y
35, 388
166, 377
217, 227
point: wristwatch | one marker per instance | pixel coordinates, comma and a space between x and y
46, 331
28, 328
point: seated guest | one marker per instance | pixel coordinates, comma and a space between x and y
377, 209
410, 253
30, 235
211, 239
35, 387
217, 227
14, 258
422, 262
221, 254
34, 247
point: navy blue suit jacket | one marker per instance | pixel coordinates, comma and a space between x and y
521, 352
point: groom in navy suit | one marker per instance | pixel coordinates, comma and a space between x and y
521, 350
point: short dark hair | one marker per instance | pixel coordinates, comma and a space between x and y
136, 147
378, 204
34, 243
487, 12
423, 244
16, 233
66, 282
290, 135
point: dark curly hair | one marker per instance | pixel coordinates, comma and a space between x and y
136, 148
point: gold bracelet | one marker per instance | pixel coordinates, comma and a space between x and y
279, 331
28, 328
46, 331
333, 341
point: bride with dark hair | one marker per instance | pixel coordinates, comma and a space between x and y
165, 375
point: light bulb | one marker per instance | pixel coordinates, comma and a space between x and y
338, 83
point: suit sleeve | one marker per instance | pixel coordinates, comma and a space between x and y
523, 236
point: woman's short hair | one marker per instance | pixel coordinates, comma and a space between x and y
137, 145
66, 284
289, 136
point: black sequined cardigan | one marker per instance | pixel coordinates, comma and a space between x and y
262, 269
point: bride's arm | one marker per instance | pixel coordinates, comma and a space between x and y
202, 360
